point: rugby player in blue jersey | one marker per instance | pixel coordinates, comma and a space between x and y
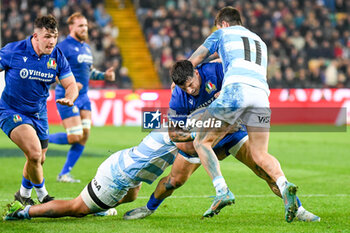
243, 98
30, 67
190, 95
77, 119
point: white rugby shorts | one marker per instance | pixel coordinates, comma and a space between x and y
242, 103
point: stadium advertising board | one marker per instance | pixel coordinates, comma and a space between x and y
289, 106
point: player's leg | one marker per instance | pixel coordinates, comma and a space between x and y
181, 170
203, 144
74, 131
244, 156
258, 147
25, 137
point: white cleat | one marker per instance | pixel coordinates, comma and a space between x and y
306, 216
138, 213
109, 212
67, 178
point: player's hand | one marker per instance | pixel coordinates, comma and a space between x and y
216, 95
80, 86
65, 101
109, 74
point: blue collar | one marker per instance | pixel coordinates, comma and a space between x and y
30, 46
73, 40
31, 49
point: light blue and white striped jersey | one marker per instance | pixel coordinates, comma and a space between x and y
147, 161
243, 54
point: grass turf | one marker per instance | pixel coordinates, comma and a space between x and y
317, 162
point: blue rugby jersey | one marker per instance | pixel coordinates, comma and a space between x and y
28, 76
182, 104
243, 54
80, 59
147, 161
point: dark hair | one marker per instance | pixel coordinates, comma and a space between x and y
48, 22
181, 72
229, 14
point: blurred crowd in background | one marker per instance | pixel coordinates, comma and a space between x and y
308, 40
18, 16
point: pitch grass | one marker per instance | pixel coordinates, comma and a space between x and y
318, 163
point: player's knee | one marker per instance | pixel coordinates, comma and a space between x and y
74, 138
34, 157
75, 134
77, 209
174, 183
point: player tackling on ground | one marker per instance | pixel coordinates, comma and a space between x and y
243, 98
31, 65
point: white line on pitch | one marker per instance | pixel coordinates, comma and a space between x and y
238, 196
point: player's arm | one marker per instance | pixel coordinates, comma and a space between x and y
199, 55
71, 88
178, 134
108, 75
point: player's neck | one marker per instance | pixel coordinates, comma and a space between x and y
36, 47
76, 38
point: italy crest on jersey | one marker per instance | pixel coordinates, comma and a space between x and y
210, 87
51, 64
17, 118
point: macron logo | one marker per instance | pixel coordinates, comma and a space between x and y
25, 59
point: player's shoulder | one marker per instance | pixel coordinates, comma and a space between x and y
209, 66
178, 98
15, 46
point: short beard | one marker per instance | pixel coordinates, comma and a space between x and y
81, 38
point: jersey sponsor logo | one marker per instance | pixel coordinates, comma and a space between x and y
25, 59
151, 120
264, 119
24, 73
17, 118
35, 75
98, 187
51, 64
84, 58
210, 87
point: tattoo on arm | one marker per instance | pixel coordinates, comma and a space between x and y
199, 55
178, 134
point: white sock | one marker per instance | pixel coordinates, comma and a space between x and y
25, 192
220, 185
281, 183
41, 193
300, 209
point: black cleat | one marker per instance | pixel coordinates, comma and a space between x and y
47, 198
23, 200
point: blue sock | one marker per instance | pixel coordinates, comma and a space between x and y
72, 157
38, 185
58, 138
26, 183
299, 202
153, 202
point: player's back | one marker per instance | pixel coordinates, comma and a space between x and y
149, 159
243, 53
